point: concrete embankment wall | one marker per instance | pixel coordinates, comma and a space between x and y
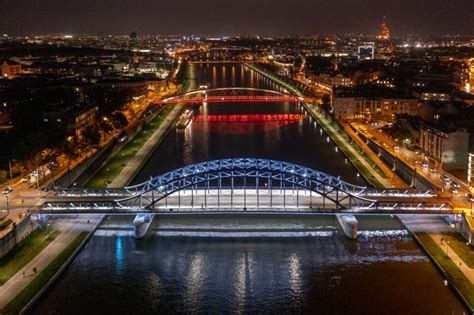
88, 168
466, 229
148, 154
403, 171
90, 164
16, 234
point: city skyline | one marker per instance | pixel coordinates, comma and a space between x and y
245, 156
241, 17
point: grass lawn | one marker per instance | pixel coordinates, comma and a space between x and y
455, 275
464, 251
24, 252
43, 277
115, 165
344, 148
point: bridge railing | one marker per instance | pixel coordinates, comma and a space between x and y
409, 193
114, 207
422, 193
79, 192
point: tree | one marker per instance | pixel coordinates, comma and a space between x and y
326, 103
3, 176
119, 120
92, 136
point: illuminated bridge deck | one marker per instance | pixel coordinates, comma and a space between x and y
246, 184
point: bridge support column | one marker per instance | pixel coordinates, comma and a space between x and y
142, 224
232, 193
245, 193
348, 224
297, 197
256, 188
271, 192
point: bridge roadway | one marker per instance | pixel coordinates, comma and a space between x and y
244, 184
249, 199
233, 94
235, 99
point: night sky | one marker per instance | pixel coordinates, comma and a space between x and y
247, 17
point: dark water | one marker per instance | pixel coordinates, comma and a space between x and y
383, 272
297, 141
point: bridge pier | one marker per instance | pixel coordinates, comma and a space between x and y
142, 224
348, 224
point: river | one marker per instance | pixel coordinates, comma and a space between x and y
251, 263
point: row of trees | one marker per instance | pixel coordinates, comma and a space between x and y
30, 134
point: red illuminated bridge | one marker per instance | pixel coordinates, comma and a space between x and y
234, 94
249, 118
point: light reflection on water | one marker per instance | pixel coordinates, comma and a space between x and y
293, 141
382, 272
249, 275
119, 256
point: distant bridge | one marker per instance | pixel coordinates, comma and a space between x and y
245, 184
249, 118
234, 94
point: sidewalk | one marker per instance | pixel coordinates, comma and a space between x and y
135, 163
468, 272
342, 143
70, 229
334, 133
434, 227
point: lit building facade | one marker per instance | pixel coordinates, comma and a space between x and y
10, 69
349, 107
445, 148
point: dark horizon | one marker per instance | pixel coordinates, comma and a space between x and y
239, 17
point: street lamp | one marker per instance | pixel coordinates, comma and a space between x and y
8, 205
10, 167
395, 161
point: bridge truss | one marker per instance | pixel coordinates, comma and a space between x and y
244, 183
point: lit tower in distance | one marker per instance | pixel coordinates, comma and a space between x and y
385, 31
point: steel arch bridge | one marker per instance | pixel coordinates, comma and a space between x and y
234, 94
249, 173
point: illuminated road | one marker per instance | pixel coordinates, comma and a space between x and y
402, 153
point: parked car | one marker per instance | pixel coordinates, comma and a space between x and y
7, 190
